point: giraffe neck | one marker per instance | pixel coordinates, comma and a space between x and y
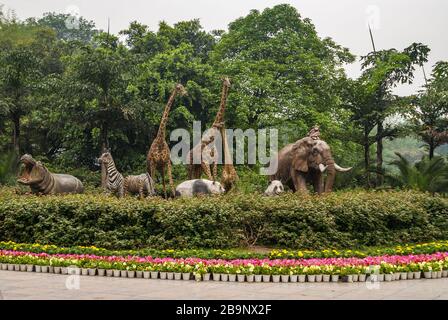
166, 112
222, 107
227, 158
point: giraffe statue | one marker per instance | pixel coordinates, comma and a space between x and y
206, 147
229, 176
158, 157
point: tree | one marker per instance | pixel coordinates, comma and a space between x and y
426, 175
383, 70
429, 109
24, 51
284, 74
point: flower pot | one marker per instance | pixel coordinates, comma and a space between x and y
326, 278
206, 277
439, 274
224, 277
266, 278
410, 275
44, 269
84, 271
417, 275
293, 278
139, 274
311, 278
4, 266
146, 275
241, 277
319, 277
38, 269
117, 273
29, 268
153, 274
434, 275
216, 276
232, 277
404, 276
388, 277
397, 276
186, 276
177, 276
163, 275
381, 277
131, 274
109, 273
348, 278
250, 278
355, 277
10, 267
170, 275
284, 278
275, 278
334, 278
444, 273
302, 278
23, 267
123, 273
258, 278
64, 270
16, 267
57, 270
101, 272
362, 277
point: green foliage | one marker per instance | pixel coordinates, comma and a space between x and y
340, 220
7, 167
426, 175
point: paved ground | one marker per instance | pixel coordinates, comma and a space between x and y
24, 285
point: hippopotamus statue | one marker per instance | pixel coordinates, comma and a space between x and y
274, 188
42, 181
190, 188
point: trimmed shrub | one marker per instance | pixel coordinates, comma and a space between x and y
339, 220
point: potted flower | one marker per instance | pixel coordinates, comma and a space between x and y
275, 273
231, 270
200, 272
139, 270
387, 269
117, 269
426, 268
102, 266
347, 274
186, 272
445, 268
248, 271
403, 269
335, 274
131, 270
301, 272
284, 273
258, 277
436, 270
217, 270
363, 271
293, 275
266, 272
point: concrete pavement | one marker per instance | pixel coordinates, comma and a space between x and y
25, 285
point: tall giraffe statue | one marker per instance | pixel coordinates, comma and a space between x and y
229, 176
206, 147
158, 157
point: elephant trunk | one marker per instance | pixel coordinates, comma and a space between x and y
331, 175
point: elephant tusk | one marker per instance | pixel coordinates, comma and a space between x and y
322, 167
340, 169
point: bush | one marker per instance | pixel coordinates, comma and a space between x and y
340, 220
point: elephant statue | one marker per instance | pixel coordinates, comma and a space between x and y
304, 161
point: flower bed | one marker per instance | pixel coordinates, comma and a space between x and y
422, 248
253, 270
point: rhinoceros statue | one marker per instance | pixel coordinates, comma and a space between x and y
41, 181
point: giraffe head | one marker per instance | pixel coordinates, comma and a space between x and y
226, 81
180, 89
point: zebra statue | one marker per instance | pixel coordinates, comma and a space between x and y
114, 179
143, 185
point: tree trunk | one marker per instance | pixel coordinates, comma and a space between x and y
379, 154
16, 134
367, 158
432, 147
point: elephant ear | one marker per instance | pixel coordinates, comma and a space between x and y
300, 158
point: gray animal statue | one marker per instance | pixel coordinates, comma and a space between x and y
194, 187
305, 161
114, 179
41, 181
143, 185
274, 188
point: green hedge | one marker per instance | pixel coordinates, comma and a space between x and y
340, 220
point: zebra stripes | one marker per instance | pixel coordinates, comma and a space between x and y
114, 179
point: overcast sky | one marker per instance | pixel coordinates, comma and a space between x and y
396, 23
